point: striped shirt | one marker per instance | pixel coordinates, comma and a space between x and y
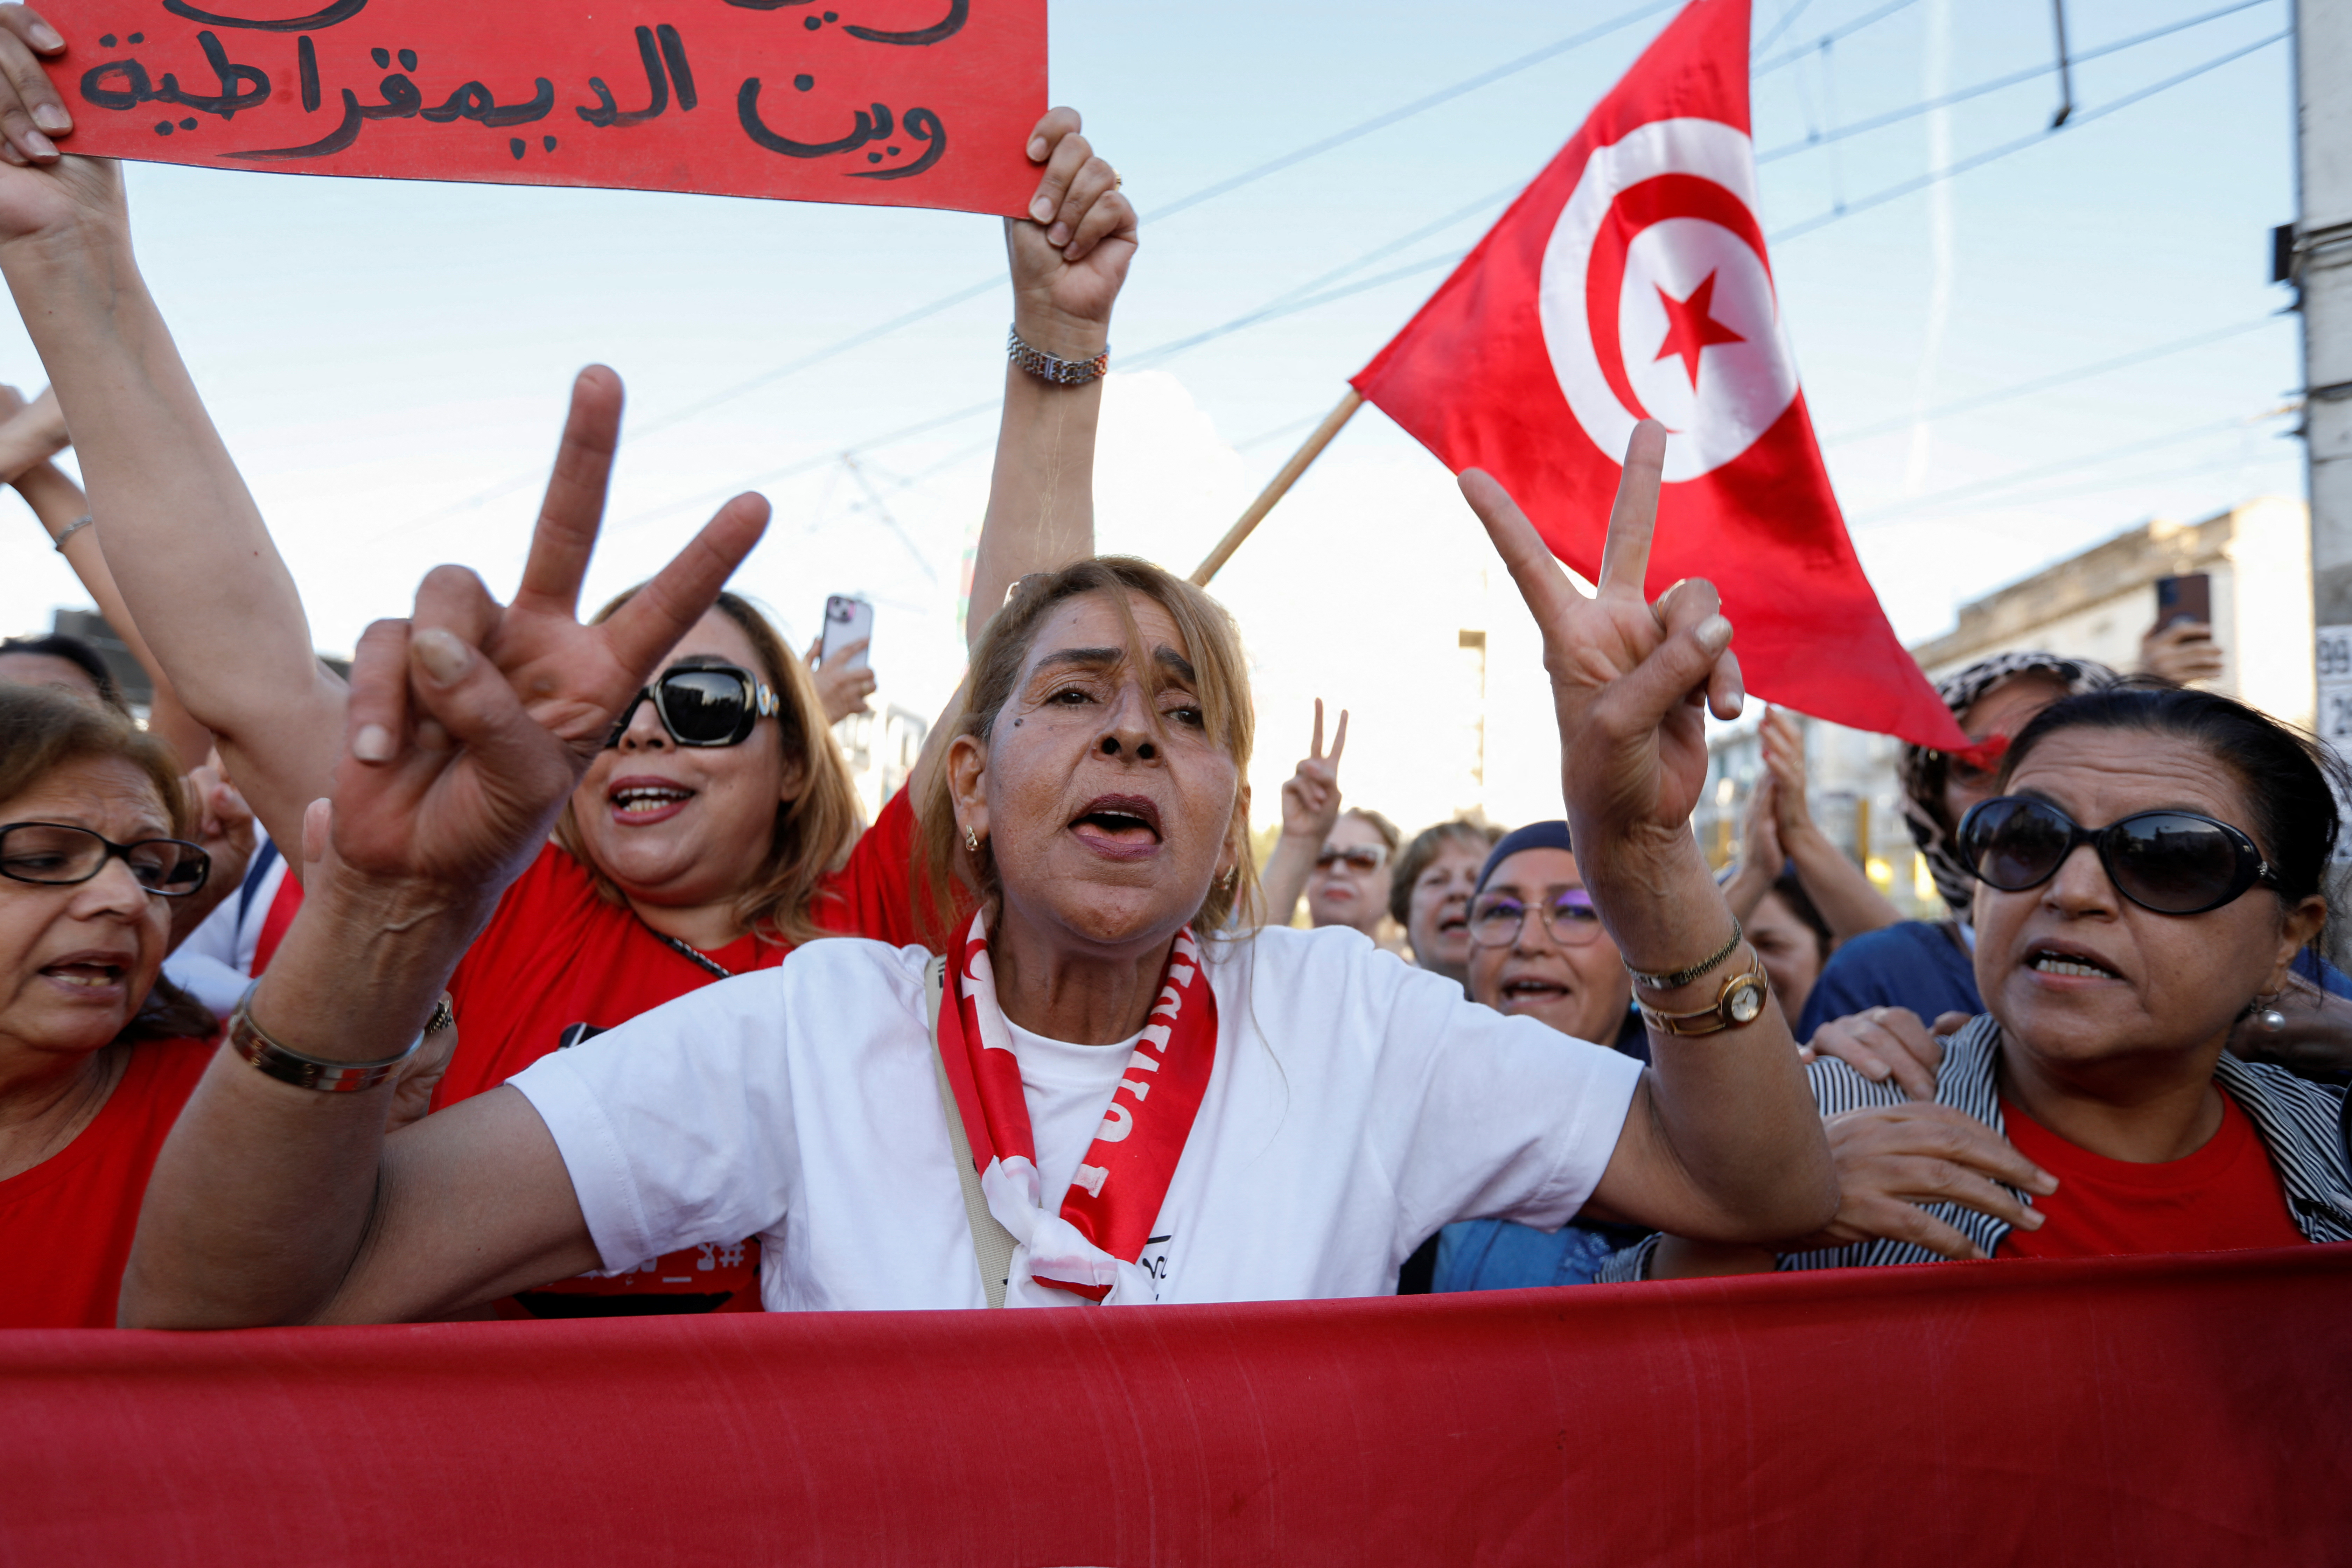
2301, 1125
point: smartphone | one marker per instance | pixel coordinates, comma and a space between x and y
2188, 598
847, 620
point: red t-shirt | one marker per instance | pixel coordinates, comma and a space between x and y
556, 960
65, 1224
2224, 1197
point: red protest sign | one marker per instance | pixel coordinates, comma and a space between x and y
889, 103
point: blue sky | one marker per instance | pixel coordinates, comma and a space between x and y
380, 353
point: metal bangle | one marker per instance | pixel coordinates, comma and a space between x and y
1682, 977
274, 1060
76, 526
1053, 371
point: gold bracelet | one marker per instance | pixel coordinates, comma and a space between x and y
272, 1058
1682, 977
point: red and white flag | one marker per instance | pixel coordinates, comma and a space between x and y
1628, 281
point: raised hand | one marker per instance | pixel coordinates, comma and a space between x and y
1070, 255
842, 686
2181, 652
1891, 1160
30, 104
30, 432
1628, 679
1310, 797
1784, 762
1760, 853
470, 722
224, 827
571, 679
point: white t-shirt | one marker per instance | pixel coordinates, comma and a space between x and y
1066, 1088
1357, 1105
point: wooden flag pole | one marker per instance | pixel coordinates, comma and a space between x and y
1282, 482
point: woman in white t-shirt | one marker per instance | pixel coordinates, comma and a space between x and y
1145, 1107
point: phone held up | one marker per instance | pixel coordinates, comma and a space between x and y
2186, 598
847, 620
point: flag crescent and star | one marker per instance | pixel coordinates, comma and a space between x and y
1631, 281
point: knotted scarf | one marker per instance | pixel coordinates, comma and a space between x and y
1093, 1247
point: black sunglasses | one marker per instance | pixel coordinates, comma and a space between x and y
53, 855
702, 705
2174, 862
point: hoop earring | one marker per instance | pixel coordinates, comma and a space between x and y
971, 839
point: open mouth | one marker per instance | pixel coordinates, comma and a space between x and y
1124, 826
2073, 965
1532, 991
86, 973
639, 801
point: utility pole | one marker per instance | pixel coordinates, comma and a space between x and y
2320, 263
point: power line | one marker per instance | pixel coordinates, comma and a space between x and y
2044, 384
1991, 154
1419, 105
1773, 35
1162, 351
1291, 302
2137, 480
973, 290
1880, 516
1275, 307
1832, 36
1912, 111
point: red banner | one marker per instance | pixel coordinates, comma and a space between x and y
890, 102
2130, 1411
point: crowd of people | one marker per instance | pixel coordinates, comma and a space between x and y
546, 967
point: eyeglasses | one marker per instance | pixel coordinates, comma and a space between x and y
51, 854
2174, 862
704, 705
1497, 918
1364, 858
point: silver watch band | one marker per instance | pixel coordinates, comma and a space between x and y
1055, 372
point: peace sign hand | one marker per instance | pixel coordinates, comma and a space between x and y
1628, 679
471, 721
1310, 797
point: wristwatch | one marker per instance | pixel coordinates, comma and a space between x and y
1739, 1004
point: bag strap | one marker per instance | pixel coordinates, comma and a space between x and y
992, 1244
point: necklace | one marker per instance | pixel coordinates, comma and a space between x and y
693, 955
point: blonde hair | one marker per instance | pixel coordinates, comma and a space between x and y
945, 868
813, 831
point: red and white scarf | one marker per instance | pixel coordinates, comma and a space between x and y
1093, 1247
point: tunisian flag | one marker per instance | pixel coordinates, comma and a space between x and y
1629, 280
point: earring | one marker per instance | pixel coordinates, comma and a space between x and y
1232, 875
971, 839
2264, 1011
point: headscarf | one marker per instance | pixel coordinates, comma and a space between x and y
1534, 835
1923, 773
